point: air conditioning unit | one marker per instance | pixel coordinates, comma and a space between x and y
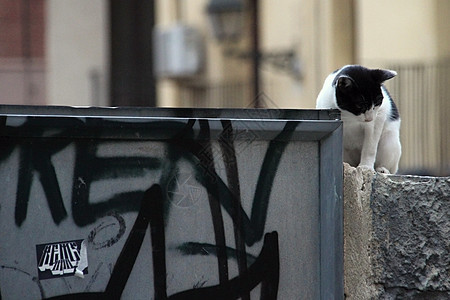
178, 51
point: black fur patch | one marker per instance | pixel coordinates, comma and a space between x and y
395, 115
358, 89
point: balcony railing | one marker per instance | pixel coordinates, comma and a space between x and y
422, 92
213, 95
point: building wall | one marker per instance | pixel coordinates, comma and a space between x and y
396, 31
77, 52
22, 55
316, 31
324, 35
219, 69
442, 12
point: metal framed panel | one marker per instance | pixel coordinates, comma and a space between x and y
171, 203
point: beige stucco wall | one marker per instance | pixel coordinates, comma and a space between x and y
76, 45
402, 30
281, 31
442, 23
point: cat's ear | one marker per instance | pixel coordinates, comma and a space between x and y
344, 83
381, 76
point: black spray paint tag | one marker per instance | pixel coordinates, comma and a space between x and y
61, 259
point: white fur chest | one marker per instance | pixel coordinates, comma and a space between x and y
354, 135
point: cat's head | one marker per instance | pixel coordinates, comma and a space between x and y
358, 90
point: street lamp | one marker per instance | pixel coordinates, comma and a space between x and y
226, 18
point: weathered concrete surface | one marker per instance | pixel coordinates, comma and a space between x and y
397, 236
359, 277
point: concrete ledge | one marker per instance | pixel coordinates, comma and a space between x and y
396, 236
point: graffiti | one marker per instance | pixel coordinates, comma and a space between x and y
264, 270
103, 225
36, 156
189, 143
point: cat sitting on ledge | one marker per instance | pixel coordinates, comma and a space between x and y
370, 116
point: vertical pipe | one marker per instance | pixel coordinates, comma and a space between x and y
254, 33
26, 50
132, 82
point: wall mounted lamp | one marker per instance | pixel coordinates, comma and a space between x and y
226, 17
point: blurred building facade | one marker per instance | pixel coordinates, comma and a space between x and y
68, 52
22, 52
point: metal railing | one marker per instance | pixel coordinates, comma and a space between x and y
422, 92
213, 95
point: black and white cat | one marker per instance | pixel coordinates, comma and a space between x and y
371, 119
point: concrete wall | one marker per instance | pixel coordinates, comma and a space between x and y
396, 240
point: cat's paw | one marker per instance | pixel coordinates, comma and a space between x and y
382, 170
365, 167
